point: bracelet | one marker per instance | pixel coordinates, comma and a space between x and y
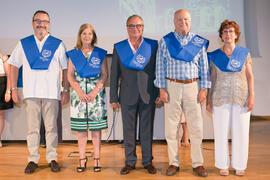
99, 88
66, 90
12, 89
8, 91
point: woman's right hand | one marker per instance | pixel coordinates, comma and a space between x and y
83, 96
7, 97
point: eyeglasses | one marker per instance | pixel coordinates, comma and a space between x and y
228, 31
135, 25
38, 21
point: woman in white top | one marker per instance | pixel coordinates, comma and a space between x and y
5, 93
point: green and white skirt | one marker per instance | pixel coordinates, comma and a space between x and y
88, 116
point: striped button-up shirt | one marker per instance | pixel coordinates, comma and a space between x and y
168, 67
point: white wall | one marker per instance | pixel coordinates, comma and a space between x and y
261, 65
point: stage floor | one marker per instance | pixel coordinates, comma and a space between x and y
13, 159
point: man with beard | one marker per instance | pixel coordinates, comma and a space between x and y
41, 56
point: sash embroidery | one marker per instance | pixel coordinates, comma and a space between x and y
87, 67
234, 63
185, 53
40, 60
139, 60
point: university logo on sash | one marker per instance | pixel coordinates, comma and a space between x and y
139, 60
234, 63
39, 60
87, 67
185, 53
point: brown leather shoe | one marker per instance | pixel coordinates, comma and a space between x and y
126, 169
30, 168
200, 171
172, 170
54, 166
151, 169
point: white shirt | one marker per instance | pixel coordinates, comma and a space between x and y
131, 46
40, 83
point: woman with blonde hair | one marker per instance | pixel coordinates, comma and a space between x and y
87, 73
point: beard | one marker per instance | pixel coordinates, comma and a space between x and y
41, 30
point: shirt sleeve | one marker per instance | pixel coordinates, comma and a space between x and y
161, 65
204, 72
15, 58
62, 56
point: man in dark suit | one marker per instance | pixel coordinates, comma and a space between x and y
133, 62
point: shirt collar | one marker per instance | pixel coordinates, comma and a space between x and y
132, 48
41, 43
180, 36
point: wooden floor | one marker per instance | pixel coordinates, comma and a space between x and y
13, 159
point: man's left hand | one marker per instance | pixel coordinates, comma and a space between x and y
65, 96
202, 95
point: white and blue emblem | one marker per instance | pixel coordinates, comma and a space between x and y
94, 62
235, 63
45, 54
198, 41
140, 59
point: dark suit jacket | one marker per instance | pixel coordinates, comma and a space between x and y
132, 82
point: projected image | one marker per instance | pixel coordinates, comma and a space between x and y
109, 18
207, 14
156, 20
158, 15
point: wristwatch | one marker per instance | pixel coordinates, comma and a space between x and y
12, 89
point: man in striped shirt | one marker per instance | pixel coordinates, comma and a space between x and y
182, 76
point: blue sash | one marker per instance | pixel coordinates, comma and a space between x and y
234, 64
138, 60
20, 79
87, 67
189, 51
40, 60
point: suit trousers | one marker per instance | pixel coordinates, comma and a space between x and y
183, 97
237, 119
48, 110
146, 119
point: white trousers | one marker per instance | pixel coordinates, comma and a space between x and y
237, 119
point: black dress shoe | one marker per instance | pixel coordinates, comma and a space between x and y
151, 169
43, 145
126, 169
54, 166
30, 168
